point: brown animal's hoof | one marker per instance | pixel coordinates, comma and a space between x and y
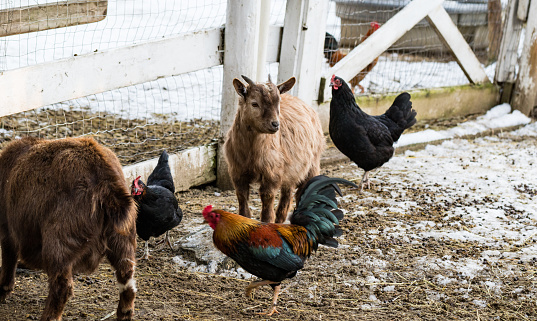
125, 316
3, 295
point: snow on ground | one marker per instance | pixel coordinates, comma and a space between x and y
484, 189
496, 117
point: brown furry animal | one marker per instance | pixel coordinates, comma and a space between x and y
276, 140
64, 205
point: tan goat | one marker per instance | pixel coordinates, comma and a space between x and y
276, 140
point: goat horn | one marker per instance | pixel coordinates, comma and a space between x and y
269, 79
248, 80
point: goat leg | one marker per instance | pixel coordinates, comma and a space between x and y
284, 205
242, 189
267, 203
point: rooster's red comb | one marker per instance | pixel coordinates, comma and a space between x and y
208, 209
375, 25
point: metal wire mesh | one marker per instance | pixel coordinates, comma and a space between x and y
178, 112
139, 121
418, 59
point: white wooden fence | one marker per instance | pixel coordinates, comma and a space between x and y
249, 43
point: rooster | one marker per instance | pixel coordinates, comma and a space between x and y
275, 252
158, 209
334, 55
366, 140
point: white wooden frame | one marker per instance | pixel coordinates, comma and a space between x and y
395, 28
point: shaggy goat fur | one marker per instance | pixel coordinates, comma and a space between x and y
276, 140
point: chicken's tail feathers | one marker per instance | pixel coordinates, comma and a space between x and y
162, 175
317, 209
163, 157
402, 114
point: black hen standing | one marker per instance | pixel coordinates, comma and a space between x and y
275, 252
366, 140
158, 209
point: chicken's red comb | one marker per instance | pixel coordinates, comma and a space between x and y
333, 77
208, 209
375, 25
136, 182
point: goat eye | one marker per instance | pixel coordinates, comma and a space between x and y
256, 105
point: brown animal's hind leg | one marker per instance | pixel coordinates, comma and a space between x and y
9, 264
267, 203
284, 205
121, 254
60, 289
242, 189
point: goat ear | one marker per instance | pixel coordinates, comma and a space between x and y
286, 86
239, 87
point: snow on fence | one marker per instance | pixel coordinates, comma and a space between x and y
143, 76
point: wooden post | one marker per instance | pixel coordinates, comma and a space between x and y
302, 46
525, 94
264, 25
240, 58
508, 55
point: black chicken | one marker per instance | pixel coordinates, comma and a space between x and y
158, 210
366, 140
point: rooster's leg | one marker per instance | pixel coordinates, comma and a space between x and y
272, 309
255, 284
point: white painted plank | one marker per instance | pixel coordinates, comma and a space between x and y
290, 41
240, 58
522, 12
380, 41
302, 46
43, 84
191, 167
508, 56
264, 25
525, 93
449, 33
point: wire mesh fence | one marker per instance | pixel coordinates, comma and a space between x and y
178, 112
138, 121
419, 59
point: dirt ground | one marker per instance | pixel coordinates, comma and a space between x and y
348, 283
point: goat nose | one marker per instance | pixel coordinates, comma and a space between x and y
275, 124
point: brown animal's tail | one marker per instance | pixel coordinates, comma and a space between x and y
118, 206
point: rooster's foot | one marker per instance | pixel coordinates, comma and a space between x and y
270, 311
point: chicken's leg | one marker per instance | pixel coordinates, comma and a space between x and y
272, 309
167, 239
255, 284
146, 251
365, 180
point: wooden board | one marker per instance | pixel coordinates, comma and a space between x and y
451, 36
433, 103
192, 167
61, 80
51, 16
377, 43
